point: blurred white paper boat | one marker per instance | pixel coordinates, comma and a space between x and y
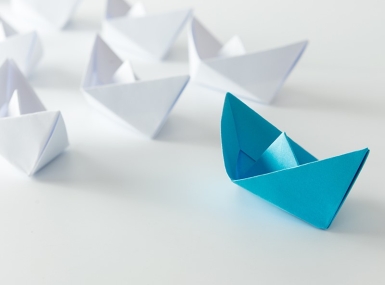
25, 49
256, 76
131, 31
111, 86
44, 15
30, 136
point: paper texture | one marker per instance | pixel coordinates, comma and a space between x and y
25, 49
256, 76
134, 33
111, 86
30, 136
265, 161
44, 15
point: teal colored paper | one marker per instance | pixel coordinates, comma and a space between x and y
263, 160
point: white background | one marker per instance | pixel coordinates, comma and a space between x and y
116, 208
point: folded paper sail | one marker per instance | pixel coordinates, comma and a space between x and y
30, 136
256, 76
131, 31
44, 15
25, 49
265, 161
111, 86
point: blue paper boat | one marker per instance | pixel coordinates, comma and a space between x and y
265, 161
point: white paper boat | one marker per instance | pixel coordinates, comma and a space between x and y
44, 15
30, 136
256, 76
25, 49
131, 31
111, 86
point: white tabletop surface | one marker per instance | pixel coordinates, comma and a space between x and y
117, 208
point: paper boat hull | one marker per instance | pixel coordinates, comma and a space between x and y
313, 192
142, 105
31, 141
147, 36
255, 76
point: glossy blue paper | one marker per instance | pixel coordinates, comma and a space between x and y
263, 160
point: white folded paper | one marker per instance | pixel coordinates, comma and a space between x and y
257, 76
131, 31
111, 86
44, 15
25, 49
30, 136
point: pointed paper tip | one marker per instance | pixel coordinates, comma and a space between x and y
124, 74
195, 24
6, 29
186, 78
229, 95
232, 99
365, 152
12, 66
194, 21
284, 135
98, 38
190, 12
14, 105
362, 152
233, 47
303, 45
137, 10
9, 61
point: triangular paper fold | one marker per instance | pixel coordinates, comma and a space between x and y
117, 8
57, 142
278, 156
128, 28
120, 8
25, 49
233, 47
23, 138
6, 30
14, 106
13, 83
256, 76
263, 160
30, 136
111, 86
